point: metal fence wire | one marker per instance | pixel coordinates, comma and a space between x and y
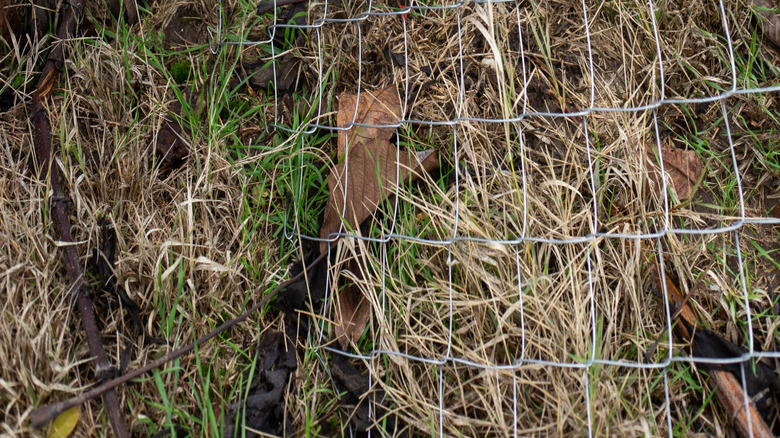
540, 282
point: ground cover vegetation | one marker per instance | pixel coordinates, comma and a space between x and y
501, 264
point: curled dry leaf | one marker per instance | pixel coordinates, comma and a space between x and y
102, 265
284, 78
262, 407
353, 310
361, 182
286, 74
369, 171
382, 107
683, 167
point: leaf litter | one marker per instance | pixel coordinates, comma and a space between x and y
356, 392
12, 18
263, 409
369, 170
769, 23
285, 76
102, 264
684, 168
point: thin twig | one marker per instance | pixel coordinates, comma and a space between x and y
44, 414
41, 128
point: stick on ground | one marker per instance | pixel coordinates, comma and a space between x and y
41, 130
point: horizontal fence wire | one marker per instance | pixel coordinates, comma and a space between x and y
219, 40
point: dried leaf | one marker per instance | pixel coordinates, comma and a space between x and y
269, 5
353, 311
169, 146
41, 13
367, 410
382, 107
185, 28
371, 161
286, 71
770, 19
102, 264
683, 167
263, 408
288, 65
310, 287
64, 424
369, 172
365, 179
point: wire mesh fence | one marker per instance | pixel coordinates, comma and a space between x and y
510, 294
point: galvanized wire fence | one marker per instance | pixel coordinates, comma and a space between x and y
730, 226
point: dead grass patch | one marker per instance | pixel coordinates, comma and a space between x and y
513, 319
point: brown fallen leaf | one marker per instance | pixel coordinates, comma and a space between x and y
286, 74
353, 310
770, 19
41, 12
683, 167
369, 171
12, 21
362, 181
762, 383
169, 146
382, 107
289, 66
262, 407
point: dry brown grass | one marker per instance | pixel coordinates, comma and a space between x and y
180, 237
557, 304
186, 241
